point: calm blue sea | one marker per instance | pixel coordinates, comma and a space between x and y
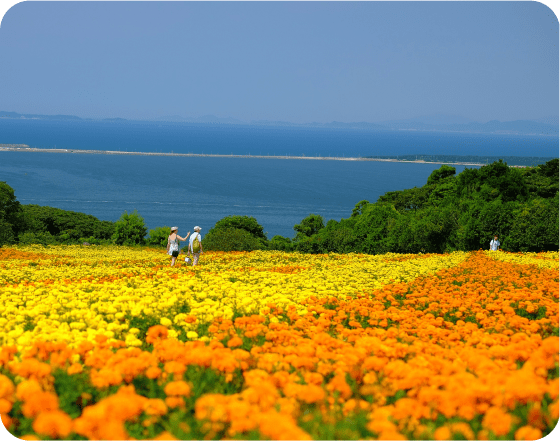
263, 140
199, 191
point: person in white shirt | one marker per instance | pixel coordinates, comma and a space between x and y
195, 235
494, 244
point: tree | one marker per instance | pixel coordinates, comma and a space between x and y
441, 173
359, 208
129, 229
231, 239
158, 237
11, 218
246, 223
309, 226
280, 243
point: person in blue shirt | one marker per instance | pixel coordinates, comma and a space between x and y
494, 243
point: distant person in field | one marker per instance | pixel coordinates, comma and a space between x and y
494, 243
173, 243
195, 245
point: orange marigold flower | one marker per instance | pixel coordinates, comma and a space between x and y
174, 367
100, 338
155, 333
6, 420
442, 433
391, 435
235, 342
41, 402
339, 384
5, 405
153, 372
528, 433
29, 437
54, 424
27, 389
177, 388
165, 435
7, 388
190, 319
175, 401
76, 368
155, 406
497, 421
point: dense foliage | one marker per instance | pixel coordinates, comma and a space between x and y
451, 212
130, 229
235, 233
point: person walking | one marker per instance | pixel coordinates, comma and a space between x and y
494, 243
195, 245
173, 243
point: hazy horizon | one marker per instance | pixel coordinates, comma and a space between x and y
299, 62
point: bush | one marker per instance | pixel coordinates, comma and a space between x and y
231, 239
158, 237
37, 238
246, 223
129, 229
280, 243
6, 233
68, 226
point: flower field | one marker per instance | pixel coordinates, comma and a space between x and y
113, 343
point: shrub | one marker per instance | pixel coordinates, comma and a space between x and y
158, 237
37, 238
246, 223
231, 239
280, 243
129, 229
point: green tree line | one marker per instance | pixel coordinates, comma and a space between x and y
450, 212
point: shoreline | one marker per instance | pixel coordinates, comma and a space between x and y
22, 148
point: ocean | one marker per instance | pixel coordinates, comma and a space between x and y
189, 191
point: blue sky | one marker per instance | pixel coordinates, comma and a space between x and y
289, 61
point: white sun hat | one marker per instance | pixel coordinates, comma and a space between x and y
197, 228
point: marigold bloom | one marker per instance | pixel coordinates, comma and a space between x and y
6, 420
155, 333
528, 433
181, 388
497, 421
155, 406
54, 424
40, 402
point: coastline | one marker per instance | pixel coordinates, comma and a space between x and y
24, 148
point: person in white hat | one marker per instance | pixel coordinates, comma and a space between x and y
195, 252
173, 243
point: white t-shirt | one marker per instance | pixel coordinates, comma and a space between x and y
494, 244
191, 239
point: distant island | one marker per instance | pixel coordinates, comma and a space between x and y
477, 161
546, 127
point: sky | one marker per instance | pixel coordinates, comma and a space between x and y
281, 61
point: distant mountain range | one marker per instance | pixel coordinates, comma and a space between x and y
436, 123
